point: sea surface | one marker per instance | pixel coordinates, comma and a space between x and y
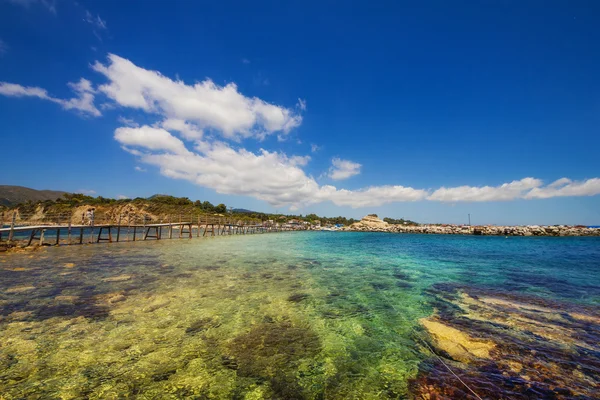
303, 315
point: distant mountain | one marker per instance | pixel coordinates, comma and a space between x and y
11, 195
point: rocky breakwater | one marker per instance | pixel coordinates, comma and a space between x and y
372, 223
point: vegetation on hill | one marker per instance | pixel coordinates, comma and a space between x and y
162, 205
400, 221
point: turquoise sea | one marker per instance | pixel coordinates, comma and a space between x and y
303, 315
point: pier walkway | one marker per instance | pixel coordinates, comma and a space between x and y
63, 232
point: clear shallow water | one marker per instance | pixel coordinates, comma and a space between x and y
294, 315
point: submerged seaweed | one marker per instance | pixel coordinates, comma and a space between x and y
285, 316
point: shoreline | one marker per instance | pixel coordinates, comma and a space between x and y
372, 223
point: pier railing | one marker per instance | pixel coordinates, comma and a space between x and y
92, 227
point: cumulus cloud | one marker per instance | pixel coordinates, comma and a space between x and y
343, 169
150, 138
187, 130
370, 197
566, 187
195, 130
207, 105
314, 148
84, 102
270, 176
506, 191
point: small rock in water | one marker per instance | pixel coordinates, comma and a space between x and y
69, 265
116, 298
20, 289
118, 278
66, 298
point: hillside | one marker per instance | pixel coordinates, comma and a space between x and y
12, 195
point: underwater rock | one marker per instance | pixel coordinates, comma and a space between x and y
20, 289
510, 344
118, 278
457, 344
117, 298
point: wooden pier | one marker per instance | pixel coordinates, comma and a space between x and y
53, 233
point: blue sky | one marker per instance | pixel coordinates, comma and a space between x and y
426, 111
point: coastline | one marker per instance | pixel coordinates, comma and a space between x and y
372, 223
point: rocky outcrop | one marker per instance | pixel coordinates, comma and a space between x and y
371, 223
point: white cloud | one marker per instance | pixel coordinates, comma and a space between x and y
84, 102
182, 142
301, 104
566, 187
270, 176
150, 138
343, 169
128, 122
187, 130
96, 21
314, 148
504, 192
12, 89
122, 197
371, 197
207, 105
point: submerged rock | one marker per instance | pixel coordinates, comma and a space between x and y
20, 289
118, 278
512, 345
457, 344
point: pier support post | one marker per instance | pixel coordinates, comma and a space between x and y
119, 228
11, 234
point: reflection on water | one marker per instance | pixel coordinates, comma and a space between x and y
298, 315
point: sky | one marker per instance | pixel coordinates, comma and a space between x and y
428, 110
